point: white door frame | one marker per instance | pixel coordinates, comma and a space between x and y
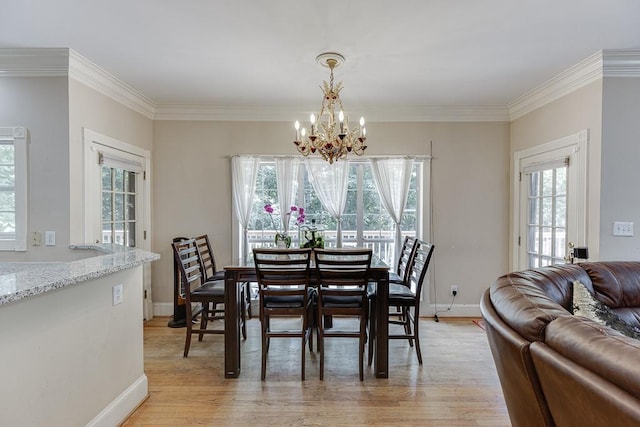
94, 143
574, 146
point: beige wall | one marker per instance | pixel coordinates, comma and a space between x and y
568, 115
40, 104
73, 354
620, 198
97, 112
192, 192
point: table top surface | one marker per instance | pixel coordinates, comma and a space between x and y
248, 265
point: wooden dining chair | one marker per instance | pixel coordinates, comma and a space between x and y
211, 273
342, 291
403, 266
406, 298
284, 288
196, 290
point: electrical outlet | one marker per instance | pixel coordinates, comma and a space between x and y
117, 291
49, 238
454, 289
36, 238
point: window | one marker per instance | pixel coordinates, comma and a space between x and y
365, 221
547, 215
13, 189
118, 206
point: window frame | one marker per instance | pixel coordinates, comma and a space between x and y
17, 136
423, 203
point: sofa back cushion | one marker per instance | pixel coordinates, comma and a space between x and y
528, 300
615, 283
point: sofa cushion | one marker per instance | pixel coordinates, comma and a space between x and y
599, 349
529, 300
623, 320
615, 283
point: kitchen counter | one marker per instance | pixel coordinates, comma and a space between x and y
19, 280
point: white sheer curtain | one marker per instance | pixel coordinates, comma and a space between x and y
392, 178
287, 180
330, 183
244, 171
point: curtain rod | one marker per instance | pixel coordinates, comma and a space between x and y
351, 159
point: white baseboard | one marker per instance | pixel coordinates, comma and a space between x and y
163, 309
456, 310
122, 406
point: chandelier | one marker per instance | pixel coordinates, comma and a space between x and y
332, 139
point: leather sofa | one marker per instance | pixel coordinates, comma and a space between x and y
560, 369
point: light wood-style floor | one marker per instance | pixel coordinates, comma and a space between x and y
456, 386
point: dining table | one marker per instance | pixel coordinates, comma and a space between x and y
244, 271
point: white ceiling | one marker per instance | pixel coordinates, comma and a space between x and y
259, 53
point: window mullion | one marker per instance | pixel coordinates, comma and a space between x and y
360, 206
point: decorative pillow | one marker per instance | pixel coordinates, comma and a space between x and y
585, 305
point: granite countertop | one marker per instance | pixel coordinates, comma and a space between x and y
19, 280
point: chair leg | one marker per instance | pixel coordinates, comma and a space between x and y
407, 324
247, 289
204, 319
309, 330
372, 330
265, 348
363, 339
321, 343
303, 345
187, 342
243, 316
416, 331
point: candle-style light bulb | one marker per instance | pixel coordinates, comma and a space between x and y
297, 126
303, 132
362, 132
312, 119
341, 119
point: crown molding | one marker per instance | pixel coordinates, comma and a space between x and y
604, 63
621, 63
46, 62
64, 62
90, 74
397, 114
570, 80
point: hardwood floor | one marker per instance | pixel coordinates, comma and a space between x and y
456, 386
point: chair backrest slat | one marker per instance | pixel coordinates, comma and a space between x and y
203, 245
420, 264
284, 268
188, 260
343, 267
406, 257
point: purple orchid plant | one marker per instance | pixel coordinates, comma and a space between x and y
293, 210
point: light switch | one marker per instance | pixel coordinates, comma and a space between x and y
621, 228
50, 238
117, 294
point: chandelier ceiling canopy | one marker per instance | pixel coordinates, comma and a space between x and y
332, 139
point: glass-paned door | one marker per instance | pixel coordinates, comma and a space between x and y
119, 221
547, 216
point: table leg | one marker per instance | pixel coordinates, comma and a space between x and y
381, 362
231, 325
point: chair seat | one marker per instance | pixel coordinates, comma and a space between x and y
218, 275
334, 301
395, 278
396, 291
400, 293
210, 289
288, 301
